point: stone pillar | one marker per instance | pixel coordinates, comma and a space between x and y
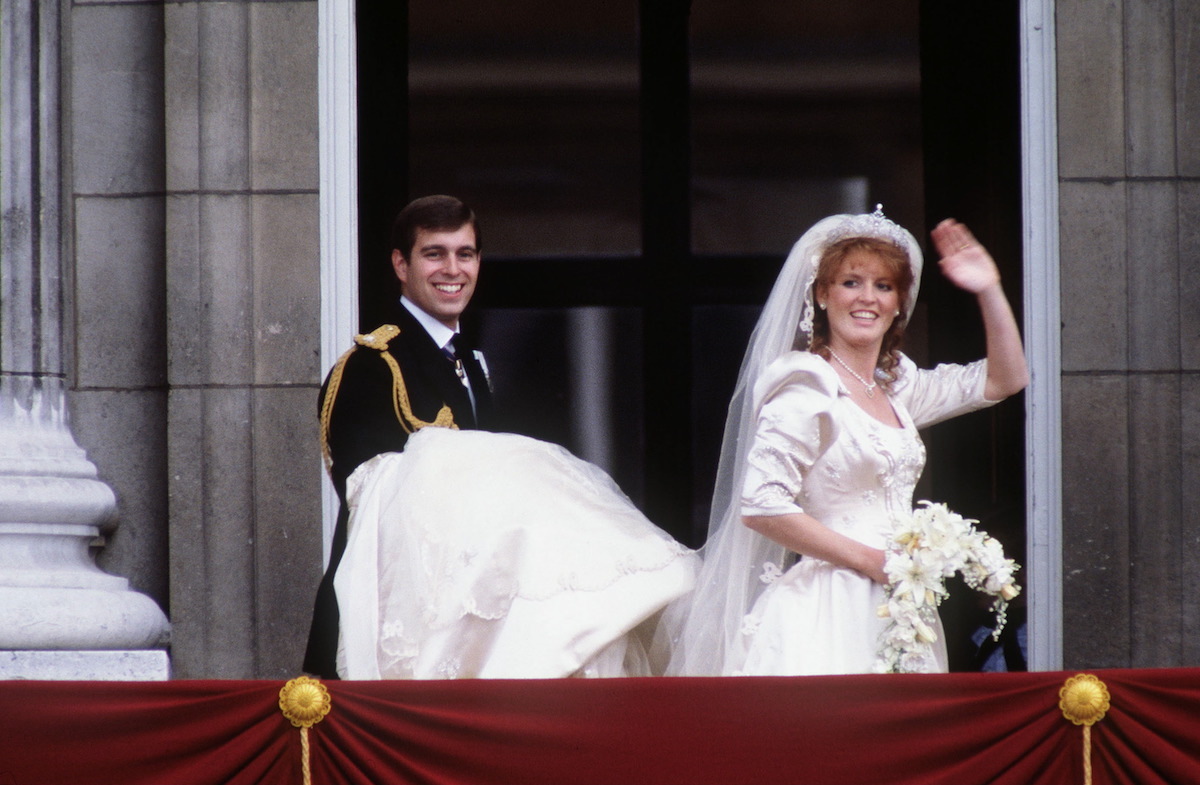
243, 311
61, 616
1129, 207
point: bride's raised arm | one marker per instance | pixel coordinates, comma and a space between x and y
970, 267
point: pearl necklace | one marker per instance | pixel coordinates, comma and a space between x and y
870, 387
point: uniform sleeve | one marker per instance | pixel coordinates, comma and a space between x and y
937, 394
795, 426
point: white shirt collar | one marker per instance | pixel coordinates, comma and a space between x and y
440, 333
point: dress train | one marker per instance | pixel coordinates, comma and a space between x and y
482, 555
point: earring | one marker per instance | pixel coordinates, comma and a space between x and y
822, 306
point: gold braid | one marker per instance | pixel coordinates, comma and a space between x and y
378, 340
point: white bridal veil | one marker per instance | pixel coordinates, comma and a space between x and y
708, 635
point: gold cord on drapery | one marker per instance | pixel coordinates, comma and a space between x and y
1084, 700
305, 702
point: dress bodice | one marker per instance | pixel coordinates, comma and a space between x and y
818, 452
862, 486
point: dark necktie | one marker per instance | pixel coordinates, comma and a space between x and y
465, 364
456, 350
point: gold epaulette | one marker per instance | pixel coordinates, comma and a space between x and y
378, 339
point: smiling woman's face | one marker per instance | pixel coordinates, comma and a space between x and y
861, 301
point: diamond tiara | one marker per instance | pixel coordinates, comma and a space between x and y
875, 225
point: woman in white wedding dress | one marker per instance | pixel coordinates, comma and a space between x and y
488, 555
821, 452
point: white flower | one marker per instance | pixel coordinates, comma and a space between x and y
925, 633
917, 575
770, 573
924, 550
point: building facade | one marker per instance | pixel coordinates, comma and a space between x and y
205, 213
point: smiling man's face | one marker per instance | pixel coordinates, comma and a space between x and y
440, 277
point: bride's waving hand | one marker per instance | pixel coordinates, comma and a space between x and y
969, 266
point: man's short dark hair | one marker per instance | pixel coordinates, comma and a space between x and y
438, 213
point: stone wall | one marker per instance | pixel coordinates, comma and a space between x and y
192, 328
1129, 158
196, 333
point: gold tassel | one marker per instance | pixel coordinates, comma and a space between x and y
305, 702
1084, 700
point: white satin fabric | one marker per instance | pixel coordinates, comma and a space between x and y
703, 633
816, 451
483, 555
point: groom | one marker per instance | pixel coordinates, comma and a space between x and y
403, 376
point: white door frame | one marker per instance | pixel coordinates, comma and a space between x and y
338, 131
1043, 399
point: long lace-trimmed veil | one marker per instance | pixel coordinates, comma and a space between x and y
705, 628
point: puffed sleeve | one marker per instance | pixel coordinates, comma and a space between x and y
937, 394
795, 398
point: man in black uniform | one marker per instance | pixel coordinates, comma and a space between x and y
402, 376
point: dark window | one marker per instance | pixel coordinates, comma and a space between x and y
640, 171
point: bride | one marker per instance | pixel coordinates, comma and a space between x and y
488, 555
821, 452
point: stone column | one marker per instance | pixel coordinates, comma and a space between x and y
61, 616
243, 311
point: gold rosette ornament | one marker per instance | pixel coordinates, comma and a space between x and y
1084, 700
305, 702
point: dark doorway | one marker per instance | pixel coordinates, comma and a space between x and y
970, 84
641, 170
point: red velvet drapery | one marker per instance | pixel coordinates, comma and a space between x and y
957, 728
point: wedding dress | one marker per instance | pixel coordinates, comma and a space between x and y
755, 609
475, 554
818, 452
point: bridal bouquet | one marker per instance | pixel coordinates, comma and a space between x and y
933, 545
